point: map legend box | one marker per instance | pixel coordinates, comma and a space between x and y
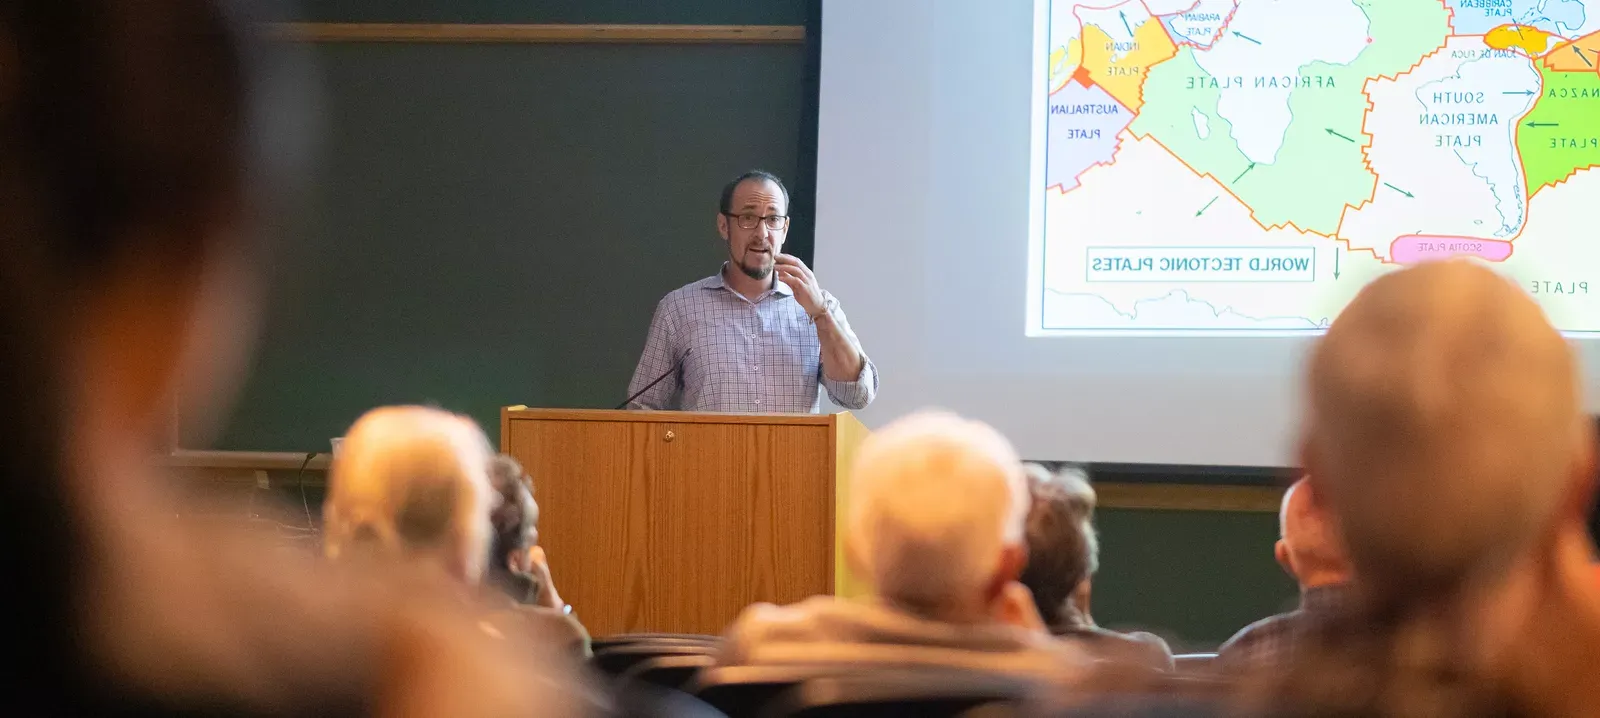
1201, 264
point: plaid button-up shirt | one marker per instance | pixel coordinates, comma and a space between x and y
1272, 641
733, 354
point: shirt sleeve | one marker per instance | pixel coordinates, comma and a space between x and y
658, 358
859, 392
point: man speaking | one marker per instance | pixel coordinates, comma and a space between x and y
758, 336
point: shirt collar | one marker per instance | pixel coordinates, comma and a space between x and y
1324, 599
716, 281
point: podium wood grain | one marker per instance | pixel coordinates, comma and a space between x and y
675, 522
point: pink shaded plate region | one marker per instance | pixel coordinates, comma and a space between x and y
1414, 248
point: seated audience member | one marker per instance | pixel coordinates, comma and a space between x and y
135, 138
1310, 550
1444, 433
412, 485
412, 482
517, 564
1063, 555
936, 527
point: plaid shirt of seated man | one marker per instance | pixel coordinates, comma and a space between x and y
1271, 641
1311, 551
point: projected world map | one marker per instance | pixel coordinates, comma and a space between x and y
1245, 166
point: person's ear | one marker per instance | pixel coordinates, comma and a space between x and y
1280, 551
1015, 607
1013, 559
1081, 596
517, 561
722, 226
1008, 600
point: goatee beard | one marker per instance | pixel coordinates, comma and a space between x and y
757, 272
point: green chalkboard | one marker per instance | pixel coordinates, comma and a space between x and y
493, 224
1195, 577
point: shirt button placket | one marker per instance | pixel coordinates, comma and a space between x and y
754, 334
755, 346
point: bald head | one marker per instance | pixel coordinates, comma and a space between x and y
1443, 424
937, 502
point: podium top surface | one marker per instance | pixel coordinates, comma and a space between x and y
514, 413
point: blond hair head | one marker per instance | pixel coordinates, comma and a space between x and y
412, 482
935, 500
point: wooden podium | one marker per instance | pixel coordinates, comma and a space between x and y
675, 521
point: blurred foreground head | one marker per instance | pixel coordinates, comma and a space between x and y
938, 506
131, 136
412, 482
137, 142
1443, 428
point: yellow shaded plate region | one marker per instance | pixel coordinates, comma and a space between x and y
1530, 40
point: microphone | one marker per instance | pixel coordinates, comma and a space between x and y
659, 379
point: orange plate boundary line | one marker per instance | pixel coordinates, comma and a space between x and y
1365, 146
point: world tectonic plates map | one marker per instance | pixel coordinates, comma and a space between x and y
1243, 167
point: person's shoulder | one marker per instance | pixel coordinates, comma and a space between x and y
766, 617
762, 623
547, 627
1152, 649
688, 294
694, 288
812, 619
1138, 647
1260, 630
1246, 646
1147, 638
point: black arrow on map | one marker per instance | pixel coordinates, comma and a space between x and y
1208, 206
1544, 124
1243, 36
1342, 137
1242, 174
1401, 191
1518, 92
1125, 25
1336, 254
1581, 56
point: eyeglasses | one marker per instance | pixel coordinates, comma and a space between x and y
774, 222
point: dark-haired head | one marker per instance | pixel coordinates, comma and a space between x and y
1063, 550
753, 219
725, 205
516, 520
